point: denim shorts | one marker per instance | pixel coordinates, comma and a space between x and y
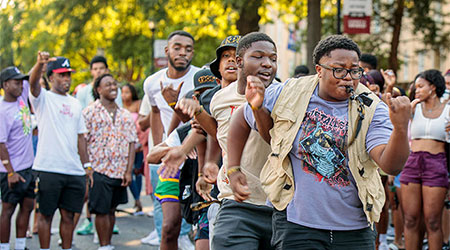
426, 169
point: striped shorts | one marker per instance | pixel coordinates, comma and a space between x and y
168, 189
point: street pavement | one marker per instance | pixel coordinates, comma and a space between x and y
131, 230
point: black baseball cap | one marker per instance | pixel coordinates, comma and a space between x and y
204, 79
60, 65
11, 72
229, 42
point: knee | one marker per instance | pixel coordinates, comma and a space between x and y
7, 212
170, 230
433, 223
411, 221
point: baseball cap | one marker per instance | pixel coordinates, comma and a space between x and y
11, 72
60, 65
229, 42
204, 79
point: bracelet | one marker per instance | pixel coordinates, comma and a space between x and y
199, 111
200, 174
233, 170
253, 108
89, 168
172, 104
5, 162
11, 174
87, 165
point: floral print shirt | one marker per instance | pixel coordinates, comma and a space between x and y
108, 142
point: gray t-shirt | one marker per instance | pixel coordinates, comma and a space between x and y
325, 195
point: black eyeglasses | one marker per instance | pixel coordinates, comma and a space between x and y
341, 73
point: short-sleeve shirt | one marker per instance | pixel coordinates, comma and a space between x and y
325, 195
15, 131
108, 142
255, 153
152, 89
60, 121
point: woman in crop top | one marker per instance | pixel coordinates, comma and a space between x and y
424, 180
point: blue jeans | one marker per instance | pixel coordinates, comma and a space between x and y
136, 180
157, 210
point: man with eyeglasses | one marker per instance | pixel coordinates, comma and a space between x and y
328, 135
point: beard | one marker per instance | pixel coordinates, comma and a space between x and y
179, 68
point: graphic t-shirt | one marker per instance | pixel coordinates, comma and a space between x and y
60, 121
255, 153
15, 131
152, 89
325, 195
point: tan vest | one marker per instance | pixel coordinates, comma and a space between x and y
277, 175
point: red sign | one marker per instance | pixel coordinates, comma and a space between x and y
161, 62
356, 25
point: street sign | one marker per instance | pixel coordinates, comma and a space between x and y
357, 15
161, 62
159, 46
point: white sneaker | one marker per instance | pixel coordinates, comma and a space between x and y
95, 238
383, 246
150, 213
184, 243
151, 239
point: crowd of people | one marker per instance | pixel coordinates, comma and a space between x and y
319, 161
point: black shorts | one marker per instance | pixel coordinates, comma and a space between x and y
60, 191
106, 194
20, 190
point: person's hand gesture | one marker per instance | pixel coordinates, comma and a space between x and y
203, 188
254, 92
399, 111
14, 179
389, 77
171, 162
210, 172
188, 106
170, 94
238, 183
44, 57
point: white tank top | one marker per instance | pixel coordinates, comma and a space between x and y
426, 128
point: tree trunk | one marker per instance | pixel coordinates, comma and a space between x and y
397, 26
314, 31
249, 17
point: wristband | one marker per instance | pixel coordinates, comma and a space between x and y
5, 162
172, 104
199, 111
253, 107
233, 170
200, 174
87, 165
11, 174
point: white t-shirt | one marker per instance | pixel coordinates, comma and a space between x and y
144, 110
60, 121
152, 89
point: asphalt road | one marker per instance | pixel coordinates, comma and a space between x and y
131, 230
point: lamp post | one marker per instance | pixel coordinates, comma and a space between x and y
338, 28
151, 25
